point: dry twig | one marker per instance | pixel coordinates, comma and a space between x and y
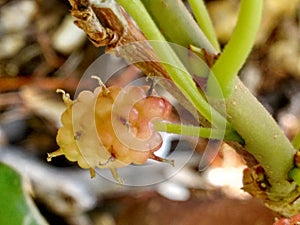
107, 24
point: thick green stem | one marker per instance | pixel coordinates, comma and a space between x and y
203, 19
238, 48
179, 28
263, 138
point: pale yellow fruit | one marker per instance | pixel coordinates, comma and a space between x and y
111, 127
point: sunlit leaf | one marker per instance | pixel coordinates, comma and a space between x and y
16, 206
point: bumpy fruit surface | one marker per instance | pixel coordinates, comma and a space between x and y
295, 220
111, 127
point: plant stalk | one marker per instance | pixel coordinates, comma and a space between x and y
262, 136
238, 48
179, 28
201, 132
203, 19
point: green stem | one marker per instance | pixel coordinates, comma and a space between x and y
139, 13
238, 48
296, 142
195, 131
203, 19
295, 175
179, 28
263, 138
172, 64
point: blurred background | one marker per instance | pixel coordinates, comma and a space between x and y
42, 50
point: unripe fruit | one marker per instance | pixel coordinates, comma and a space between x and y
111, 127
295, 220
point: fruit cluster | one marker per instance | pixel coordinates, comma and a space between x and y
111, 127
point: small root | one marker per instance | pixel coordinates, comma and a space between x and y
101, 84
54, 154
92, 172
110, 159
66, 97
115, 175
160, 159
